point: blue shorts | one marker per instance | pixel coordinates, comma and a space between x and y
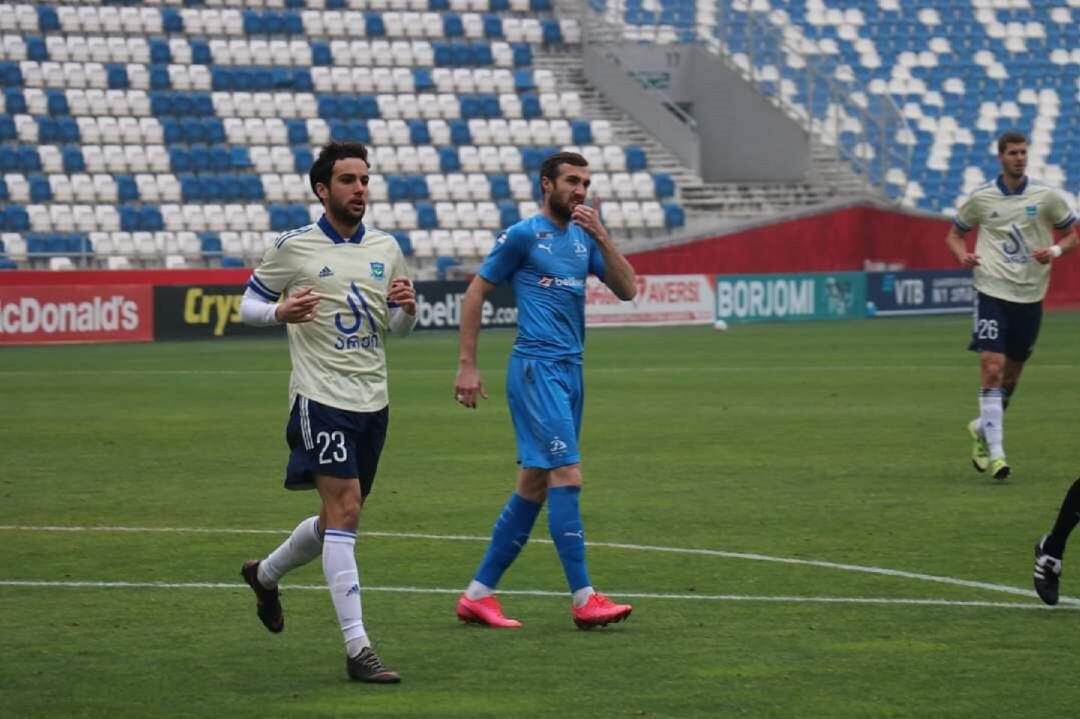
545, 401
333, 442
1008, 328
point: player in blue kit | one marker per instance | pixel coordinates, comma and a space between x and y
546, 259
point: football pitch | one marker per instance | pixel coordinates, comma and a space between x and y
790, 508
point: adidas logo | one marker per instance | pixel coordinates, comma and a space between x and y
993, 215
326, 272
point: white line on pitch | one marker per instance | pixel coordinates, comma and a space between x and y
883, 571
712, 369
542, 593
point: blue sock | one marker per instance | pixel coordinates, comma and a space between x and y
568, 533
508, 538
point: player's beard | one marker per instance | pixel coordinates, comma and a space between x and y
563, 211
344, 215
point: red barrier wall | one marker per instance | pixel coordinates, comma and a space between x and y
836, 240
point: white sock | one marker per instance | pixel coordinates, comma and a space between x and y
304, 544
476, 590
993, 420
582, 595
339, 567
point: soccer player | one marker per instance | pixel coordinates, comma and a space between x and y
340, 287
546, 259
1051, 548
1017, 218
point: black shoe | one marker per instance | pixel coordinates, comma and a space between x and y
367, 667
268, 603
1047, 574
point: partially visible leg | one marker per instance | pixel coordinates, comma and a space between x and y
1051, 548
303, 545
510, 533
567, 530
479, 605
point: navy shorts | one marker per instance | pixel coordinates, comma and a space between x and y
333, 442
545, 401
1008, 328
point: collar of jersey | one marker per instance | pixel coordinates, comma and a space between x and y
1019, 188
326, 227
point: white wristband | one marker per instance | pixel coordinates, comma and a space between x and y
1055, 250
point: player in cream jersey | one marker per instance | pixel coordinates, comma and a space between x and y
341, 287
338, 358
1017, 219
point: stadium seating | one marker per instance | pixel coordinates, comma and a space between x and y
960, 72
130, 130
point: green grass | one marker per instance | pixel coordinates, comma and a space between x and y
840, 442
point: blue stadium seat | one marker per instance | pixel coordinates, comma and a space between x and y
29, 159
530, 106
664, 185
10, 75
297, 132
117, 77
4, 197
425, 216
320, 53
48, 20
209, 244
522, 54
303, 159
459, 132
418, 132
500, 187
452, 25
635, 159
7, 128
48, 131
298, 215
403, 242
552, 33
171, 21
126, 189
449, 160
14, 102
200, 52
39, 189
159, 78
422, 80
493, 27
442, 264
674, 215
581, 132
68, 128
56, 102
9, 159
35, 49
397, 188
523, 81
509, 213
418, 187
373, 25
16, 218
160, 54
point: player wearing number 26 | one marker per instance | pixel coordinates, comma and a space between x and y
1018, 218
341, 287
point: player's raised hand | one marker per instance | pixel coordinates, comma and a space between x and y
403, 294
588, 218
468, 386
299, 307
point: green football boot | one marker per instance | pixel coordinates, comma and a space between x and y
999, 467
980, 452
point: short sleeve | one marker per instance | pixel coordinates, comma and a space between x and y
1060, 214
510, 250
277, 269
968, 216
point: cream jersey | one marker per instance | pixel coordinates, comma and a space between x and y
338, 359
1012, 225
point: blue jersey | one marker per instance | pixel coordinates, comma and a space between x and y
546, 268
